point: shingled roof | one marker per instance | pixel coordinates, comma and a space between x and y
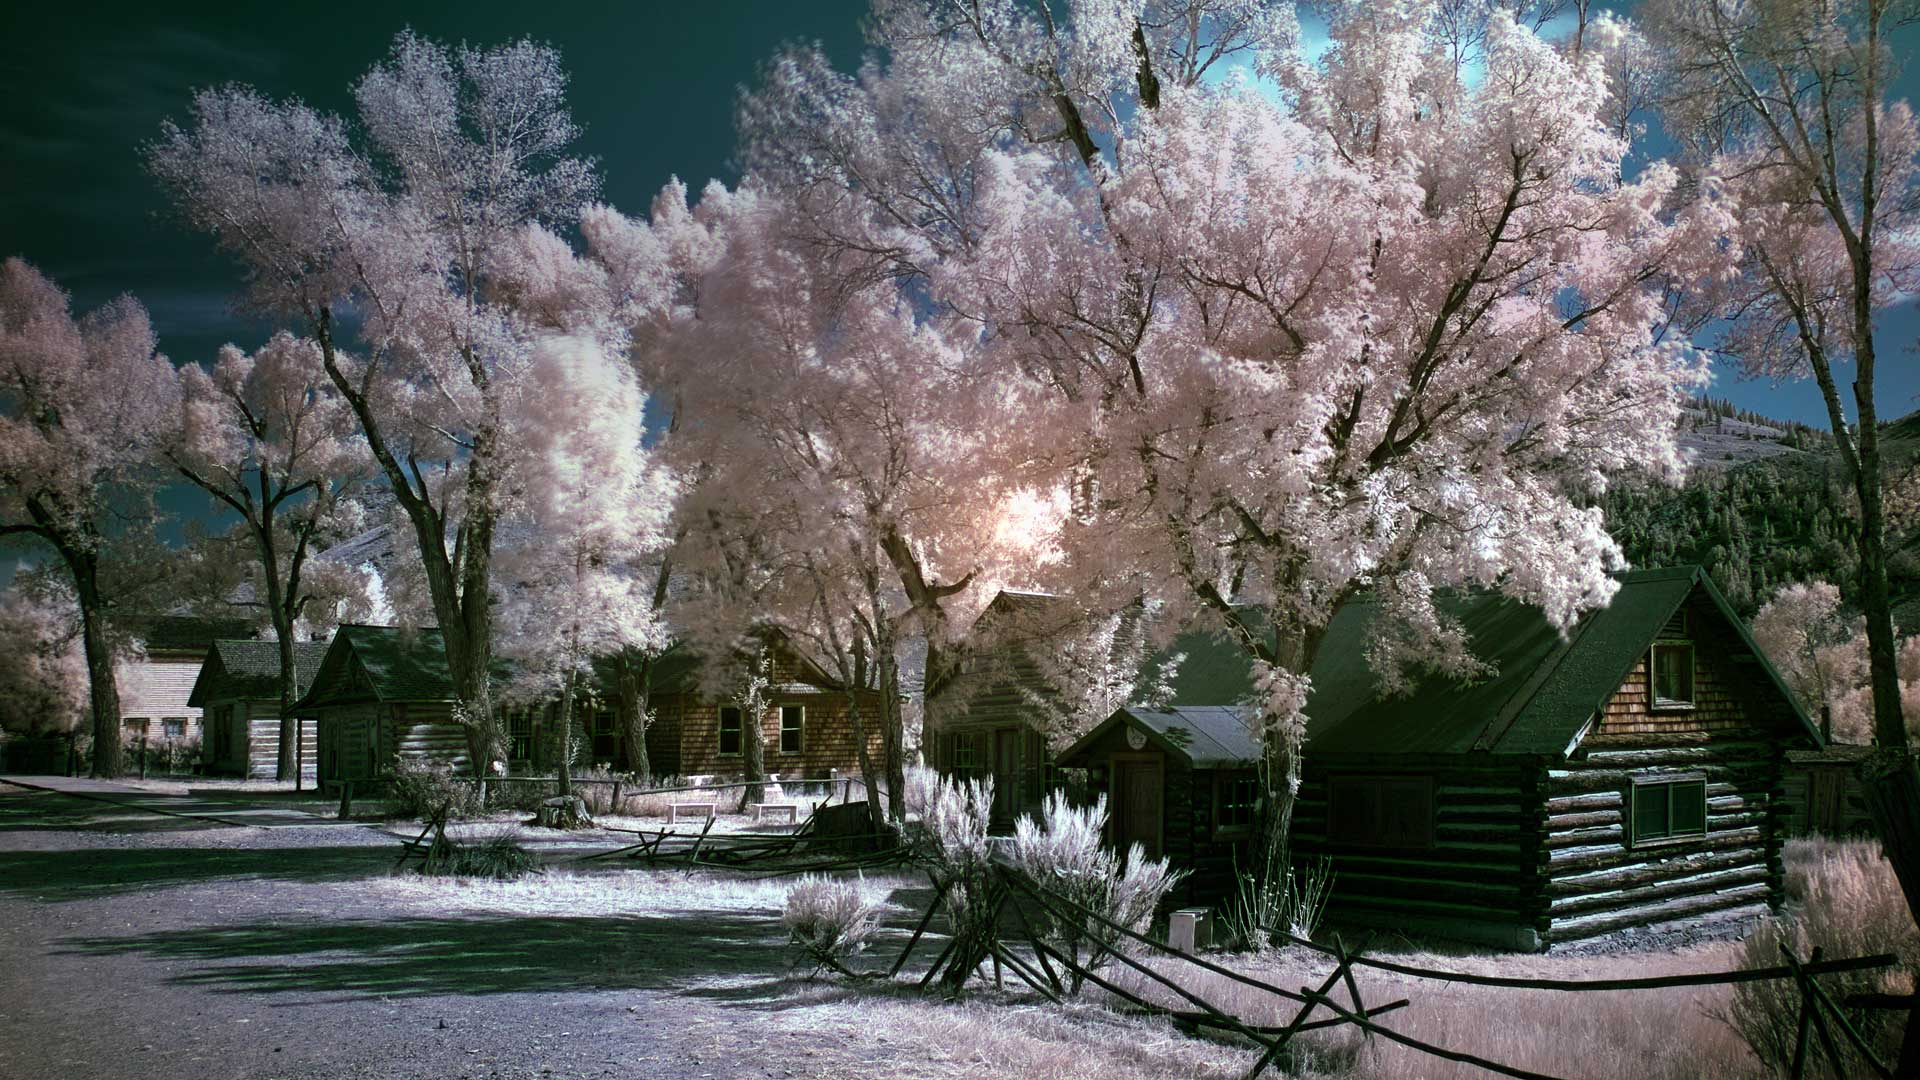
250, 670
1543, 689
398, 664
1207, 736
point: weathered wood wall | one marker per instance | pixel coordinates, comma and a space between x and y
1478, 880
1821, 793
262, 720
155, 689
423, 731
685, 740
1598, 880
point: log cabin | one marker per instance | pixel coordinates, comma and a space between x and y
1625, 773
238, 692
382, 693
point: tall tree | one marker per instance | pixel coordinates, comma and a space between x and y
1390, 329
393, 233
270, 437
43, 669
84, 408
576, 567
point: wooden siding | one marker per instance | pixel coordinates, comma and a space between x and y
1478, 879
424, 731
1189, 840
1597, 880
688, 730
155, 689
250, 745
346, 737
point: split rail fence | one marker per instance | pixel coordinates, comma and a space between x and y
1042, 969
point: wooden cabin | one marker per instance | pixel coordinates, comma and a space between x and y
382, 693
806, 727
238, 693
155, 685
1181, 783
1626, 773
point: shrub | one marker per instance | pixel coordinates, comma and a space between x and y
950, 838
427, 790
1062, 853
1850, 904
498, 856
1280, 896
829, 920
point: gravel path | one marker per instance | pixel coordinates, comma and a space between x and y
149, 945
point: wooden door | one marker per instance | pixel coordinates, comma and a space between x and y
1138, 803
1006, 778
1826, 801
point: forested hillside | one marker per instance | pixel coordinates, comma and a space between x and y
1764, 505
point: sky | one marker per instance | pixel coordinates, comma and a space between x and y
653, 86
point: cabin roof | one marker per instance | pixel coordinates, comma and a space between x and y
250, 670
1206, 736
401, 664
1543, 690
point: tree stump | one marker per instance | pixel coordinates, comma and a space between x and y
565, 812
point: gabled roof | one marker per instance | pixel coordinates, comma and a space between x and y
1206, 736
398, 664
250, 670
1544, 689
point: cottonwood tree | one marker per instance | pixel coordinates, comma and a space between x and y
270, 437
1391, 328
43, 668
84, 407
392, 233
1820, 649
576, 572
850, 464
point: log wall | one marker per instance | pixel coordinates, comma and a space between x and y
1478, 880
685, 739
1597, 879
423, 731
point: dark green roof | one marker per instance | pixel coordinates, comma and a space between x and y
399, 664
1543, 689
250, 670
1207, 736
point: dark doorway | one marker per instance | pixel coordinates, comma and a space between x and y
1138, 787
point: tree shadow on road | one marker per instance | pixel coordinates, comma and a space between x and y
492, 955
90, 872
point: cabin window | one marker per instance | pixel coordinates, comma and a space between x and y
603, 722
1380, 811
520, 735
729, 729
1672, 666
1669, 809
1236, 802
963, 754
174, 726
793, 725
135, 725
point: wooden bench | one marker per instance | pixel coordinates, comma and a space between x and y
789, 811
675, 811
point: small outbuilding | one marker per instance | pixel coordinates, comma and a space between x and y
383, 693
1181, 783
238, 694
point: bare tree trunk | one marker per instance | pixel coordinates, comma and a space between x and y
753, 745
633, 688
103, 691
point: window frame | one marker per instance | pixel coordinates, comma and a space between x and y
520, 732
1428, 837
1642, 786
739, 731
167, 724
1224, 784
1657, 703
799, 729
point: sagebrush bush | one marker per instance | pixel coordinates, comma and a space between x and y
1845, 898
1062, 852
428, 789
498, 856
947, 832
829, 920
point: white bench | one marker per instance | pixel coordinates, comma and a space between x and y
790, 811
675, 811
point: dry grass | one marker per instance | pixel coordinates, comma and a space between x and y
611, 892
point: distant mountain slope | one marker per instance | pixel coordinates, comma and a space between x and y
1764, 505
